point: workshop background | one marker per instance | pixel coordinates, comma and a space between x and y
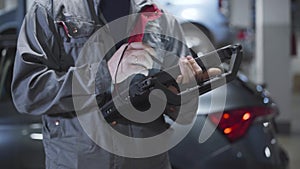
269, 31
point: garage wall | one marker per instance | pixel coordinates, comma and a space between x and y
273, 60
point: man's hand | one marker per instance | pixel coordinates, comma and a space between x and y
137, 59
190, 70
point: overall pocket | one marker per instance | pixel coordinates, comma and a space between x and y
74, 33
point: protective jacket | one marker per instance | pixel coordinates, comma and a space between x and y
52, 36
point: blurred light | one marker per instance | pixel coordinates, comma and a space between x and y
239, 155
266, 124
273, 141
241, 35
226, 116
259, 88
36, 126
267, 152
266, 100
246, 116
36, 136
227, 131
244, 78
3, 52
24, 132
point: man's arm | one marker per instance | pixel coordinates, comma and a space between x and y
40, 85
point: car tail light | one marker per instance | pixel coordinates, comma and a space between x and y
241, 35
235, 123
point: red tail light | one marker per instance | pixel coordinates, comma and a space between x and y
234, 124
241, 35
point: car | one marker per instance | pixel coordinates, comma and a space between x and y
208, 16
244, 135
20, 139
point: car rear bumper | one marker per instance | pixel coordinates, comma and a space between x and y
258, 149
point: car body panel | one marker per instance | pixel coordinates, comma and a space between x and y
20, 148
211, 149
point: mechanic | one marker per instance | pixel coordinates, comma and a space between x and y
50, 40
